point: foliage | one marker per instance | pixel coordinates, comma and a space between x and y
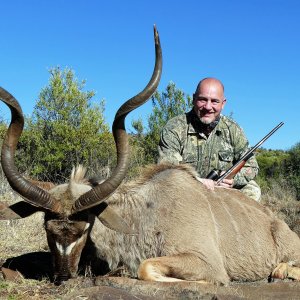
137, 150
66, 129
270, 165
165, 105
3, 128
279, 165
291, 166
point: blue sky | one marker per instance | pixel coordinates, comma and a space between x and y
251, 46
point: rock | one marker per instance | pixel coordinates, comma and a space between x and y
11, 275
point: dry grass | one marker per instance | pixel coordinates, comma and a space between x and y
32, 289
281, 198
20, 236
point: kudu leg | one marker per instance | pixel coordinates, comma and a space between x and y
285, 270
183, 267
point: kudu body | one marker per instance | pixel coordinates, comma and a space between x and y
164, 226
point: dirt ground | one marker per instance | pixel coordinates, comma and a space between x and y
36, 284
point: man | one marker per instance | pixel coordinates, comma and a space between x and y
208, 140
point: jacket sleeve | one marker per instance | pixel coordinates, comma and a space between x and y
250, 169
169, 148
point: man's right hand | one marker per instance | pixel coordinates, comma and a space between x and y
209, 183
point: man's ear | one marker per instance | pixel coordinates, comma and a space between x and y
224, 102
18, 210
111, 219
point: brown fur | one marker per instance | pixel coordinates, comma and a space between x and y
184, 231
197, 234
45, 185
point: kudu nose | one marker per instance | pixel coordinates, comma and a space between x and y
60, 279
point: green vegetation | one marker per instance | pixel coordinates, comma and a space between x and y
291, 166
280, 166
3, 128
165, 105
67, 128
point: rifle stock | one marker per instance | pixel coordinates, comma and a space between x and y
230, 173
235, 170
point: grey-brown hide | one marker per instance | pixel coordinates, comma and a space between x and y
216, 236
45, 185
69, 192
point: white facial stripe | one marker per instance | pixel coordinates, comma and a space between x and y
68, 249
59, 248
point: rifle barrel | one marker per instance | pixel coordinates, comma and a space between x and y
249, 152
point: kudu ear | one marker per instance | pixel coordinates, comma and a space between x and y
18, 210
111, 219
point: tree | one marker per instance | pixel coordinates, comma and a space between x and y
270, 166
3, 128
279, 167
66, 129
165, 106
291, 168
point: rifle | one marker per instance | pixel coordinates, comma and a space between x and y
230, 173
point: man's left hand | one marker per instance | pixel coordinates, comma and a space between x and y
228, 183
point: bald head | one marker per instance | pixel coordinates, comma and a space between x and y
209, 81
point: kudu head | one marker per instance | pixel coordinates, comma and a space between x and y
69, 217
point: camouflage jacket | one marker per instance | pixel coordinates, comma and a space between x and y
183, 142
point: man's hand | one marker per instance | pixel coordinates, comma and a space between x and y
228, 183
210, 184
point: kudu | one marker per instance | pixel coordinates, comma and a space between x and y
164, 226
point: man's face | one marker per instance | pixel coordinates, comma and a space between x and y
209, 101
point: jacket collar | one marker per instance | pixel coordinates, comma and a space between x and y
196, 126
